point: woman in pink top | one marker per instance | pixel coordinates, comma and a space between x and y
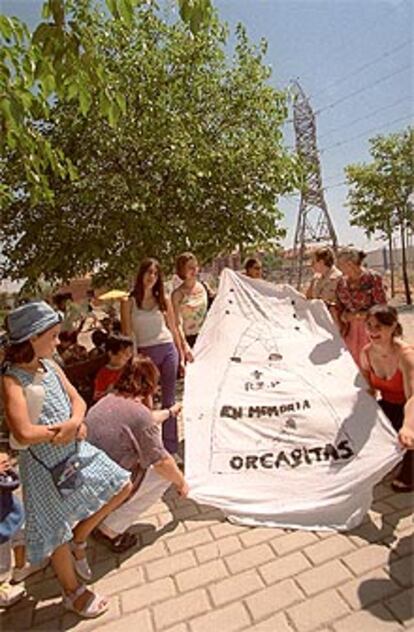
387, 363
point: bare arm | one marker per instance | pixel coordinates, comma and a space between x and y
167, 468
176, 299
126, 324
365, 370
77, 403
17, 416
159, 416
172, 326
406, 434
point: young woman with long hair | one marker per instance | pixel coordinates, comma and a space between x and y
148, 316
387, 362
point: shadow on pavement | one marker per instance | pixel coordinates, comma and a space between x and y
401, 575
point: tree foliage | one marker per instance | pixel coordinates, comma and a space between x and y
379, 198
59, 61
192, 156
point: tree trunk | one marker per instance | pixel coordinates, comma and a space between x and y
404, 262
391, 252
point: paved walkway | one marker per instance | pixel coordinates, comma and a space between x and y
194, 572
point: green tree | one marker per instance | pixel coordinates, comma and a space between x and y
194, 159
58, 61
379, 198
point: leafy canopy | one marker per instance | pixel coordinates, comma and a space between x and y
59, 61
183, 148
379, 197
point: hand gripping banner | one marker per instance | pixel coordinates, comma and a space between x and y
279, 427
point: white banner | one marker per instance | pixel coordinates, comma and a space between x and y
279, 428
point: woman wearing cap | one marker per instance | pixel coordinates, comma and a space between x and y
357, 290
66, 481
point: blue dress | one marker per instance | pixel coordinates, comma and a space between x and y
49, 517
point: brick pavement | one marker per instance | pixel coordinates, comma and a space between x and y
194, 572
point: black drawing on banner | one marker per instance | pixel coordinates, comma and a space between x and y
290, 423
257, 345
259, 384
254, 386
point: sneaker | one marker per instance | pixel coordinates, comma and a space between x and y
10, 594
20, 574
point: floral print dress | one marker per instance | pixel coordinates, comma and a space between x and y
356, 297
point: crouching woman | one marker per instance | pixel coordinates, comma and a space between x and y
123, 425
387, 362
68, 485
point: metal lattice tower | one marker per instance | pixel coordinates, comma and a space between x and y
314, 225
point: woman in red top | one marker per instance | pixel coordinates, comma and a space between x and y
387, 363
357, 290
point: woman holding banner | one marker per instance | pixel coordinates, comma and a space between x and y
191, 301
388, 365
357, 290
123, 425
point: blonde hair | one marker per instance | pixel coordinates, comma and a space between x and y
181, 262
351, 254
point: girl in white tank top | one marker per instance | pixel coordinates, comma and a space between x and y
148, 317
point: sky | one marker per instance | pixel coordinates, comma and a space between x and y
353, 59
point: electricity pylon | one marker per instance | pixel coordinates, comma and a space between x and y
314, 225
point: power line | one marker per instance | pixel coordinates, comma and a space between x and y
366, 65
361, 90
373, 27
336, 185
362, 118
367, 131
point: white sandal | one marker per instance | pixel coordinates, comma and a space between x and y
94, 607
81, 566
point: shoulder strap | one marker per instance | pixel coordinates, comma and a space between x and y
51, 469
36, 458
